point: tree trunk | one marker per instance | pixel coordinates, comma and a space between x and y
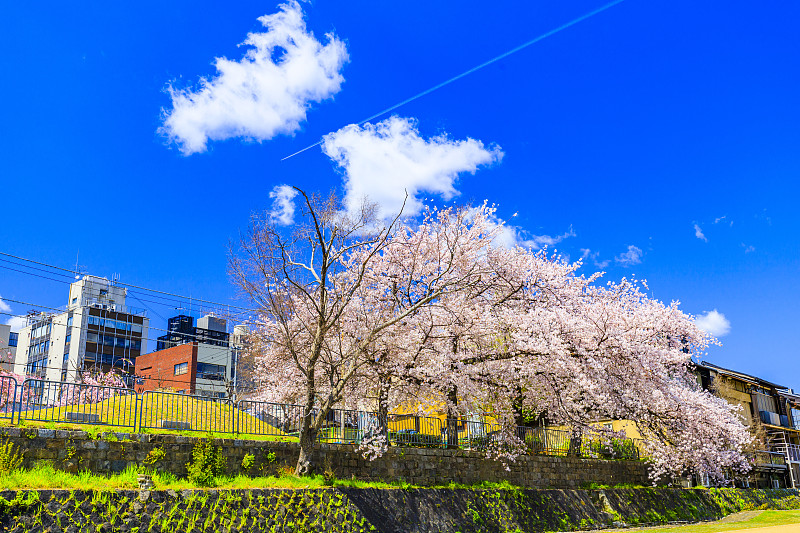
575, 443
383, 406
452, 418
308, 431
305, 465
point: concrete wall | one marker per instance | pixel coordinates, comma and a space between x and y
76, 450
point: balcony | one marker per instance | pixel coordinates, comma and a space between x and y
774, 419
793, 452
769, 460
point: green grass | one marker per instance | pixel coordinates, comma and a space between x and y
120, 414
45, 476
765, 519
122, 410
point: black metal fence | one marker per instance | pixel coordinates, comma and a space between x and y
62, 402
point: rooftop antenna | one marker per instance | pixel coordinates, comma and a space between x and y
79, 269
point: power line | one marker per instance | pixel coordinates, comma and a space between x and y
183, 298
190, 335
231, 315
84, 327
476, 68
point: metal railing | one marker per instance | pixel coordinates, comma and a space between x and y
55, 401
63, 402
186, 412
265, 418
8, 397
793, 452
764, 458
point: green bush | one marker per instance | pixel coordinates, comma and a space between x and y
10, 457
412, 439
615, 449
208, 462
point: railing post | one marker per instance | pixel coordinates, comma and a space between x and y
135, 409
141, 411
236, 416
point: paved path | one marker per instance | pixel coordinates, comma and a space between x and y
788, 528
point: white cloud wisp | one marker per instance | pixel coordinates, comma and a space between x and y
16, 323
382, 161
632, 257
283, 204
266, 93
714, 323
4, 307
698, 232
594, 257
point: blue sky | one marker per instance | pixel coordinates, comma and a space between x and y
658, 139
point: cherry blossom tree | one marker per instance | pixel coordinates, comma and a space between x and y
435, 311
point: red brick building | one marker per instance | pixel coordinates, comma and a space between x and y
174, 368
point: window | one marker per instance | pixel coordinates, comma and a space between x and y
68, 339
209, 371
69, 321
136, 328
91, 337
136, 345
74, 300
181, 368
66, 356
13, 339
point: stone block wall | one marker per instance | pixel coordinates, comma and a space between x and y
351, 510
113, 452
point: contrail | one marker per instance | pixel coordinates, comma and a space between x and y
473, 69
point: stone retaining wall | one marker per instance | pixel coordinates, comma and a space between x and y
77, 450
371, 510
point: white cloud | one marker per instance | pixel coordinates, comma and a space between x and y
264, 94
540, 241
721, 219
586, 253
4, 307
632, 257
748, 248
382, 161
698, 232
16, 323
714, 323
282, 204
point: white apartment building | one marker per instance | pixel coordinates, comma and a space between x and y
96, 332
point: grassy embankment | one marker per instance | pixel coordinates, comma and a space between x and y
44, 476
120, 414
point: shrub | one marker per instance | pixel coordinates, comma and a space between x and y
248, 461
10, 457
413, 439
153, 456
208, 462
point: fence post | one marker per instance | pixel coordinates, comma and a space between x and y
14, 401
135, 409
236, 416
141, 411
